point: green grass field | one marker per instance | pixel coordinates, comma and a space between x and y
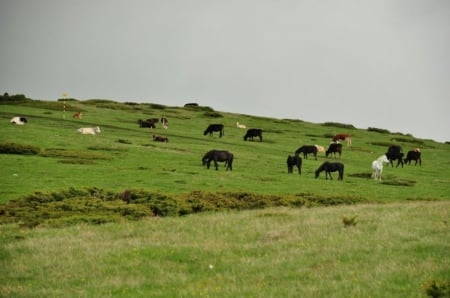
399, 247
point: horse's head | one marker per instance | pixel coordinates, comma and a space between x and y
317, 173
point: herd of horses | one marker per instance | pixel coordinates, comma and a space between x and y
393, 153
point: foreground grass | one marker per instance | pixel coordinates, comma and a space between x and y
395, 250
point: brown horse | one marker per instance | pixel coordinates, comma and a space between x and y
77, 115
342, 137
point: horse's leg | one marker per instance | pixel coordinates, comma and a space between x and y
215, 163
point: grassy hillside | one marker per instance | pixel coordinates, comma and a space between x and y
51, 176
124, 156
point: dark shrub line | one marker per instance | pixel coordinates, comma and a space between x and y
96, 206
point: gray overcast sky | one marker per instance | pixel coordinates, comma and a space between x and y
378, 63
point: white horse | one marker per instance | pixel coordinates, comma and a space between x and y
377, 167
238, 125
89, 130
320, 148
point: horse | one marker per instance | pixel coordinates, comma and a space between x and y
413, 155
218, 155
377, 166
77, 115
306, 149
333, 149
320, 148
214, 127
395, 152
342, 137
238, 125
329, 167
294, 161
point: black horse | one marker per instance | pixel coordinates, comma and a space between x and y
307, 149
395, 152
218, 155
214, 127
294, 161
329, 167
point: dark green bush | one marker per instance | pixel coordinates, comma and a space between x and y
157, 106
213, 114
408, 140
17, 98
378, 130
340, 125
14, 148
94, 205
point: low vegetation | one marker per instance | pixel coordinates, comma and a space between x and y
394, 250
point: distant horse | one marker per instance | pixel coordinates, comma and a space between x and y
333, 149
307, 149
329, 167
320, 148
377, 166
77, 115
413, 155
165, 122
294, 161
342, 137
218, 155
395, 152
238, 125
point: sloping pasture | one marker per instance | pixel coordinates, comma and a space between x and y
124, 156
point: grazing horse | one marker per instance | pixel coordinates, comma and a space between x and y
413, 155
307, 149
294, 161
329, 167
334, 148
377, 166
342, 137
212, 128
218, 155
253, 133
147, 123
